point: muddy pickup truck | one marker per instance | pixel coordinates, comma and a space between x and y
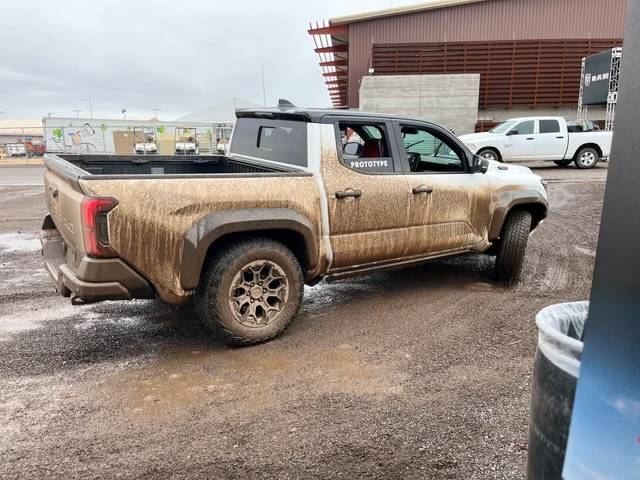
302, 195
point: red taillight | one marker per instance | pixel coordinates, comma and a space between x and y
94, 225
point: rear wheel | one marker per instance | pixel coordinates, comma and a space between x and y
512, 247
562, 163
489, 154
587, 157
250, 291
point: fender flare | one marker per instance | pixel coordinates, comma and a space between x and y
207, 230
523, 197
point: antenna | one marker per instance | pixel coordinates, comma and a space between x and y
264, 91
282, 103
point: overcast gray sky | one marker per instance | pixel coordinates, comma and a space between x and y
176, 55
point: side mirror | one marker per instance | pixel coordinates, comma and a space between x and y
512, 132
480, 165
352, 149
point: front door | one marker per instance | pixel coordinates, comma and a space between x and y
449, 204
520, 142
367, 193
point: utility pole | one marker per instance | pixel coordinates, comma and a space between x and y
77, 113
264, 91
49, 114
2, 112
90, 109
155, 112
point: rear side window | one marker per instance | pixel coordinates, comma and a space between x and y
549, 126
365, 147
281, 141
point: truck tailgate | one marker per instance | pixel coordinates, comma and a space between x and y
64, 204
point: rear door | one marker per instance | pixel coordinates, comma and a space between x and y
551, 141
449, 206
367, 193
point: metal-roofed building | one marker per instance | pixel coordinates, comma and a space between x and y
528, 53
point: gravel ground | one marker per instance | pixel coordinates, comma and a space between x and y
420, 373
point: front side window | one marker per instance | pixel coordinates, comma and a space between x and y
365, 148
429, 152
549, 126
523, 128
502, 127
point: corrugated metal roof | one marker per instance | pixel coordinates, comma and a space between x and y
432, 5
21, 126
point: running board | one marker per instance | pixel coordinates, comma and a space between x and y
389, 265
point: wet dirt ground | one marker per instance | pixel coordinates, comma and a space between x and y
420, 373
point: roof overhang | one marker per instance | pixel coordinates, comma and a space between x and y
389, 12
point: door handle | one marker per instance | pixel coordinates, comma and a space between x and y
530, 138
421, 189
559, 137
53, 190
348, 193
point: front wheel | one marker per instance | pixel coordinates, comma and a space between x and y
513, 244
587, 157
489, 154
250, 291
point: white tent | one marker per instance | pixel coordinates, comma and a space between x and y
223, 111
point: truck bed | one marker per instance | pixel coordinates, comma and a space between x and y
162, 165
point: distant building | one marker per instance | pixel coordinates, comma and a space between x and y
129, 137
20, 130
528, 53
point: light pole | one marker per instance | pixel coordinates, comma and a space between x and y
124, 113
77, 112
49, 114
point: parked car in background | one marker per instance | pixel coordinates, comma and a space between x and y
243, 233
38, 149
540, 138
147, 148
15, 150
188, 146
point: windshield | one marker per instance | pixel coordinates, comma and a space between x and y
503, 127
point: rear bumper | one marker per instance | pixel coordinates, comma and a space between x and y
95, 279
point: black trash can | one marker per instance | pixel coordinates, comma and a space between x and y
557, 365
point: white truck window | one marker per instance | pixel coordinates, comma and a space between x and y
549, 126
524, 128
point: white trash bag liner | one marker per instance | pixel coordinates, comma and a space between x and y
560, 328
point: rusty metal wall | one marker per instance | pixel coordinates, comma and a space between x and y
485, 21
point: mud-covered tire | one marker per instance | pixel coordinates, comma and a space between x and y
213, 297
586, 157
512, 247
490, 154
562, 163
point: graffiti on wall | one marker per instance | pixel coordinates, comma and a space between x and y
76, 139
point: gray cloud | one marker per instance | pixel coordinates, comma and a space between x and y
174, 55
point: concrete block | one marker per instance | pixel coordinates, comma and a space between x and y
449, 100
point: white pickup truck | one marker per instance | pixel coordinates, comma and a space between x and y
540, 138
